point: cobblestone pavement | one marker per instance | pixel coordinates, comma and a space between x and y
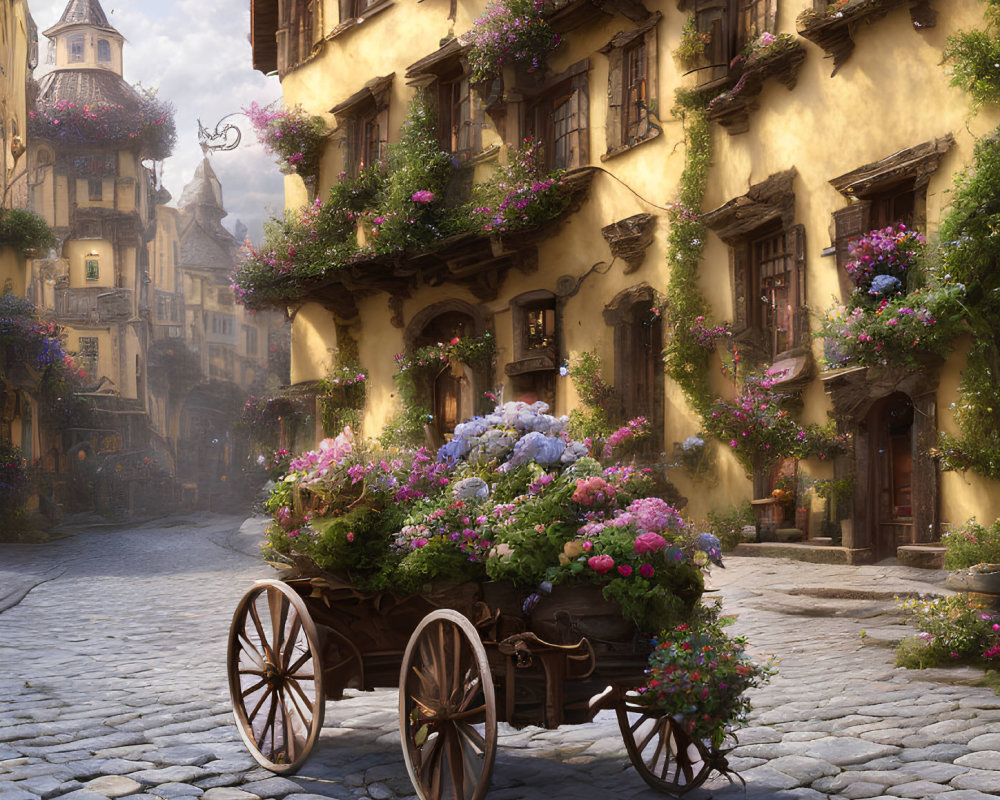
112, 684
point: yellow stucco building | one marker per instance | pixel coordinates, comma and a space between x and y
826, 121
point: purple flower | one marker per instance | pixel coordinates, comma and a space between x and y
423, 196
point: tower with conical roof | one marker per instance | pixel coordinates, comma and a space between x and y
91, 132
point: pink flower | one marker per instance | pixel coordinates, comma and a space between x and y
649, 542
646, 570
423, 196
625, 570
601, 564
350, 536
419, 542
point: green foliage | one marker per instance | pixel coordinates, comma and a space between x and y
14, 488
341, 398
518, 194
951, 630
685, 358
700, 674
24, 231
692, 46
596, 419
974, 57
971, 544
727, 524
969, 252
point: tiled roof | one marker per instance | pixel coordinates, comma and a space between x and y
88, 86
82, 12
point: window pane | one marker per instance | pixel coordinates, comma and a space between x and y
773, 270
103, 50
93, 270
635, 92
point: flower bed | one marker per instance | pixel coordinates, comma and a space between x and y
511, 497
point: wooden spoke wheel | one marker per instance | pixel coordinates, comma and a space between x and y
275, 677
662, 752
447, 709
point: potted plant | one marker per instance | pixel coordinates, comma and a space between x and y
972, 557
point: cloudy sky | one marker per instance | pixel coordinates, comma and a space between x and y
197, 54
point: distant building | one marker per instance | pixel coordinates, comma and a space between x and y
212, 351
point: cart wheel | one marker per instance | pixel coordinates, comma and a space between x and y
447, 709
275, 678
662, 752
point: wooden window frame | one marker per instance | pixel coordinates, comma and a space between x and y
570, 147
299, 31
363, 122
622, 313
632, 92
731, 24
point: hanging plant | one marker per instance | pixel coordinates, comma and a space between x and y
511, 32
294, 136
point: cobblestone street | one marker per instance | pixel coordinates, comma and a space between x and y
113, 684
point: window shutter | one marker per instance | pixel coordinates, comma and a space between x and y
651, 72
741, 287
849, 223
346, 10
713, 20
580, 139
796, 243
615, 97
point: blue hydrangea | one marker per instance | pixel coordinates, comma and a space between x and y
884, 284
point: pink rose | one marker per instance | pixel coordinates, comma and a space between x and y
625, 570
646, 570
649, 542
601, 564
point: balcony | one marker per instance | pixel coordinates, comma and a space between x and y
93, 305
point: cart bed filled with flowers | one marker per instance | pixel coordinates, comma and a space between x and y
514, 576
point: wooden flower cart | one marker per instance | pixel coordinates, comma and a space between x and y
464, 659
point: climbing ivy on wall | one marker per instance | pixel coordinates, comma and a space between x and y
686, 359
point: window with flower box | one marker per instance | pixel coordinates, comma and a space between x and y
886, 192
363, 125
728, 26
632, 94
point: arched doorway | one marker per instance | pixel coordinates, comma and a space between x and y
452, 392
891, 446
